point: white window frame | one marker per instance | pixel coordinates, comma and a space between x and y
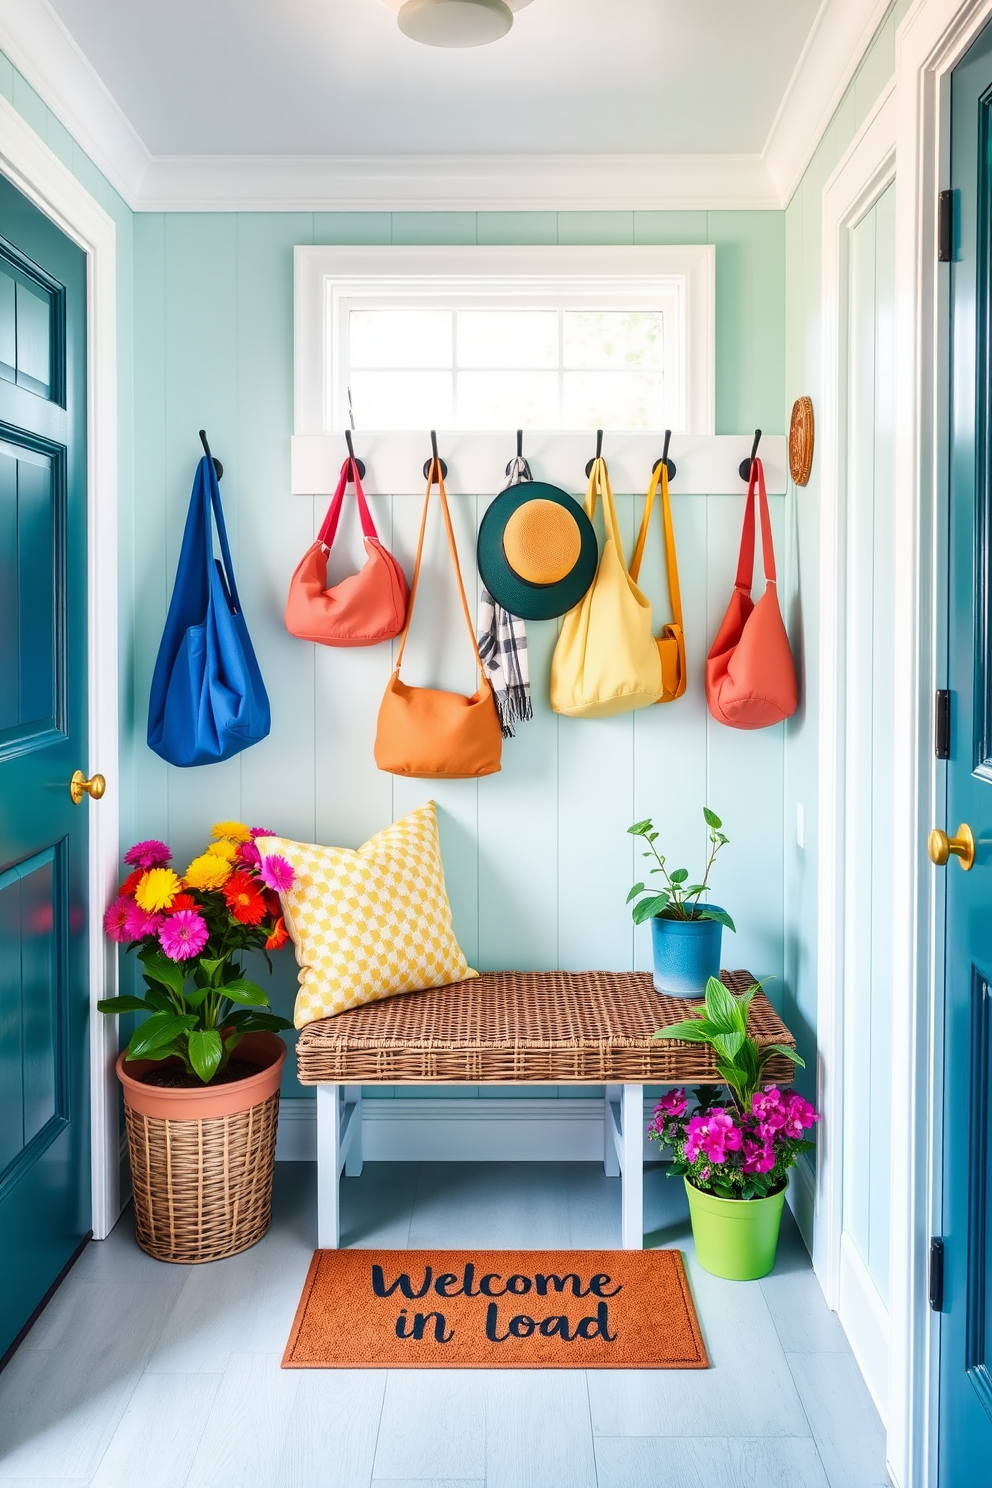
329, 281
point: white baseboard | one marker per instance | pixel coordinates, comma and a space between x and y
459, 1129
801, 1198
865, 1320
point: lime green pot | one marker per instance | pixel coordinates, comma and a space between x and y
735, 1238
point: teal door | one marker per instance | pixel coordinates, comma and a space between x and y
44, 1082
965, 1425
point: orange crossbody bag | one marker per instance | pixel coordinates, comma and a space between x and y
424, 731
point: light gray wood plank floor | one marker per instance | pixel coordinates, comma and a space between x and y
143, 1375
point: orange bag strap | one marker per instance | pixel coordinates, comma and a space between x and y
660, 477
745, 563
435, 474
599, 485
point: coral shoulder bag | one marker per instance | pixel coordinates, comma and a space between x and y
365, 608
424, 731
750, 673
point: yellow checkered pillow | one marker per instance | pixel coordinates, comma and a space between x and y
371, 921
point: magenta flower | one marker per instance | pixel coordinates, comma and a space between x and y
759, 1157
277, 873
183, 935
799, 1117
150, 854
140, 923
673, 1103
713, 1135
261, 832
248, 855
115, 919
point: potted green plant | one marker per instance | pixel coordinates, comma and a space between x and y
686, 933
201, 1072
733, 1148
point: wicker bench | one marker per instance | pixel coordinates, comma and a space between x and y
557, 1028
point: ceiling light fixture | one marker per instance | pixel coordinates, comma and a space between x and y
455, 23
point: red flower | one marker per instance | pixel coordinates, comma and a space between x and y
277, 937
245, 899
272, 904
181, 901
131, 882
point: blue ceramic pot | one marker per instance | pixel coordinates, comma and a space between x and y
686, 954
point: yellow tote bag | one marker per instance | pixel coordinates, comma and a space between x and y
671, 642
606, 660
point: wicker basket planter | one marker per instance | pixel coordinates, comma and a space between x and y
202, 1160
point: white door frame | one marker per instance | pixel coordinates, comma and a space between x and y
37, 172
867, 168
931, 40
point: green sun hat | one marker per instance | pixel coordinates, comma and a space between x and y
537, 551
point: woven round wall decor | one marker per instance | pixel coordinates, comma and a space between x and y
801, 440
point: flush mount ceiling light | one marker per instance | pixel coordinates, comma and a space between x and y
455, 23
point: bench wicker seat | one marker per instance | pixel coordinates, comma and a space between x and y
516, 1027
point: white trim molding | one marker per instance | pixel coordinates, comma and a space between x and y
865, 171
36, 171
866, 1323
932, 38
35, 39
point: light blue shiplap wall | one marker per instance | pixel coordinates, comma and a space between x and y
801, 598
538, 860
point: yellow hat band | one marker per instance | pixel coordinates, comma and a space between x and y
542, 542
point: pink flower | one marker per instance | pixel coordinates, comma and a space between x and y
673, 1103
261, 832
140, 923
799, 1116
713, 1135
115, 919
183, 935
277, 874
150, 854
758, 1157
248, 855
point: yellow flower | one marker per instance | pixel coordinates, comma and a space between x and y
207, 872
237, 831
157, 889
224, 849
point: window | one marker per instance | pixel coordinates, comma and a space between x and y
485, 339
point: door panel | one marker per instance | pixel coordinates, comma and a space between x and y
44, 996
965, 1424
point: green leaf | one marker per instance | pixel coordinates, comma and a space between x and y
639, 828
250, 994
721, 1007
117, 1005
689, 1033
711, 819
637, 889
160, 1028
212, 964
248, 1020
194, 996
646, 909
205, 1051
704, 912
157, 998
232, 1040
161, 969
728, 1044
789, 1054
691, 889
161, 1051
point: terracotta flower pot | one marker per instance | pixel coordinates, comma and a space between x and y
202, 1159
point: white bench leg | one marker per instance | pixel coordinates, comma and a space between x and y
328, 1167
611, 1131
632, 1168
354, 1162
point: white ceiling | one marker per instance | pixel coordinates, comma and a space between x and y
325, 105
304, 77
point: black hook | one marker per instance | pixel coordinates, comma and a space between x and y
358, 464
520, 455
435, 462
672, 467
744, 469
599, 452
206, 450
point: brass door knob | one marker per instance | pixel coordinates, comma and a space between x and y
941, 847
79, 786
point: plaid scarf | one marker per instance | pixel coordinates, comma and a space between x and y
503, 644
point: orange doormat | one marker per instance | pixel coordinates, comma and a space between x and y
485, 1309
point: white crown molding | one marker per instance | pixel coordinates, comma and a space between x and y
839, 37
35, 40
41, 48
438, 183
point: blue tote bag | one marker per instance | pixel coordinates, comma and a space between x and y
208, 700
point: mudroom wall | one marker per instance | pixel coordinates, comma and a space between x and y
538, 859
